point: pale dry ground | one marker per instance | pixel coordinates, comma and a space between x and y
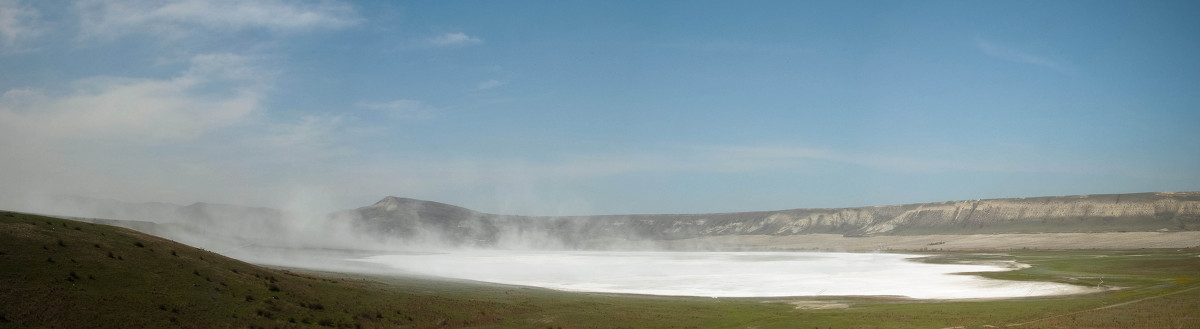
836, 242
818, 305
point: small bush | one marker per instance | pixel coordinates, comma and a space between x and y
265, 314
139, 244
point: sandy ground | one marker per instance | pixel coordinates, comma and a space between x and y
836, 242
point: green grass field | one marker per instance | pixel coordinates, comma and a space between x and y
58, 273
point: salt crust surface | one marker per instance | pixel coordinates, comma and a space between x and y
724, 274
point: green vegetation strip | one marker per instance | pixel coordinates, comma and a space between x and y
58, 273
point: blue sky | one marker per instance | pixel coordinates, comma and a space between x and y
604, 107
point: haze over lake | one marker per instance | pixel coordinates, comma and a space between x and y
724, 274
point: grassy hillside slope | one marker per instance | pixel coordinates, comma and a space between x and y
61, 273
58, 273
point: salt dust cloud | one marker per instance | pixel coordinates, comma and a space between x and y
723, 274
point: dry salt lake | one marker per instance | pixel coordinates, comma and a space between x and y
721, 274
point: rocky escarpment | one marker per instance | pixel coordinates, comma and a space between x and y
1083, 213
1140, 212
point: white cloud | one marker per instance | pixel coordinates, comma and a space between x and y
128, 137
456, 39
215, 92
176, 19
18, 24
1014, 55
405, 109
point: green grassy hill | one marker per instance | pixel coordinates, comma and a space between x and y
64, 274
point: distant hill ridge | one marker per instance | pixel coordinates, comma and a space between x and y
1137, 212
405, 219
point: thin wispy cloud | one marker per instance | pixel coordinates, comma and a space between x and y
736, 47
98, 131
312, 138
206, 122
790, 156
454, 175
177, 19
490, 84
454, 39
18, 24
1015, 55
709, 159
310, 131
403, 109
138, 110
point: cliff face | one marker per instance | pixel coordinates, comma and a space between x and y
1084, 213
1169, 211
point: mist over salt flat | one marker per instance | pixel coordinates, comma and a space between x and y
723, 274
